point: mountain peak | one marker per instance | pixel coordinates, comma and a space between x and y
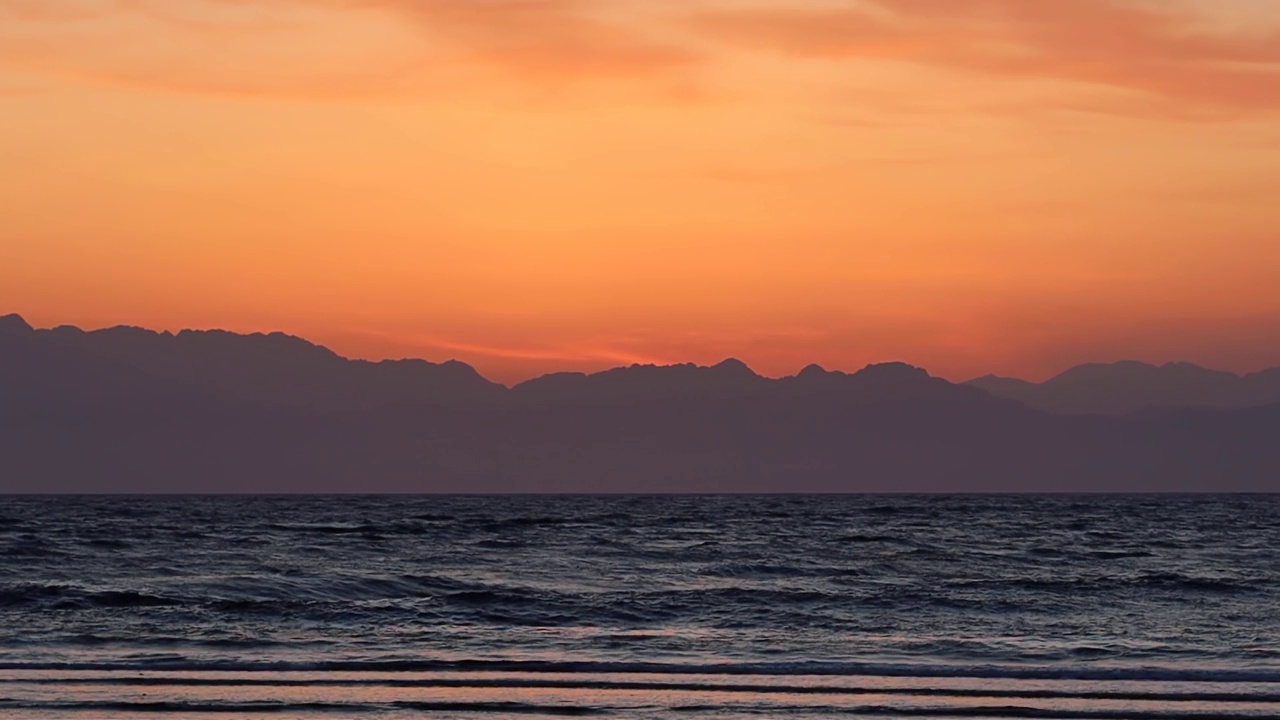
812, 370
892, 371
734, 366
14, 324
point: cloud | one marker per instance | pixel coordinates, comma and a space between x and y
505, 360
1163, 49
559, 38
1167, 55
336, 48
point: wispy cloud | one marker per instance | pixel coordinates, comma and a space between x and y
1163, 54
1161, 49
560, 38
595, 351
316, 47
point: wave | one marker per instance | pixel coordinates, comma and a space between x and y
1154, 581
322, 529
728, 688
70, 597
501, 544
270, 595
1177, 581
31, 548
994, 711
871, 538
521, 522
162, 707
766, 570
1119, 554
1267, 675
254, 595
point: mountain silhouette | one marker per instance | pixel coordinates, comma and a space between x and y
278, 369
1129, 386
44, 378
642, 384
14, 324
131, 410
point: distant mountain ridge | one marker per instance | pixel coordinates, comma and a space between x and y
277, 369
281, 369
1129, 386
131, 410
284, 370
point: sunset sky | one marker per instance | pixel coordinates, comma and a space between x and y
973, 186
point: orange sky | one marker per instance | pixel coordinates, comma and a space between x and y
530, 185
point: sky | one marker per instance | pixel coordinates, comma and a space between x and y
971, 186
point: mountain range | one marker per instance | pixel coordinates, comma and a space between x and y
1128, 386
131, 410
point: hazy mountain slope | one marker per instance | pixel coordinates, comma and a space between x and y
1128, 386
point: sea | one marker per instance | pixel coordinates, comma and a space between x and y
1054, 606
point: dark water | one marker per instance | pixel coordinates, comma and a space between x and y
1066, 607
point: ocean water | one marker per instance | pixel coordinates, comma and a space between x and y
648, 607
